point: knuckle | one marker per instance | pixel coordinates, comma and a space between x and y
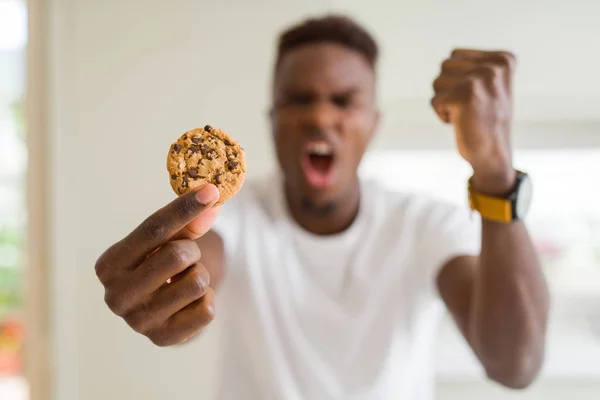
101, 269
208, 307
154, 227
199, 281
497, 76
502, 60
177, 253
157, 340
496, 72
486, 72
139, 322
490, 75
103, 266
209, 311
116, 302
160, 338
508, 58
447, 64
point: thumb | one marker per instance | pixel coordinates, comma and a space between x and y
202, 223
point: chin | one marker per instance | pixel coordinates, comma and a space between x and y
321, 207
321, 197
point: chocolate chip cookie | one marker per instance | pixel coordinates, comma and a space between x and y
206, 155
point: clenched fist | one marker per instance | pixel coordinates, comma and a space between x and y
474, 93
154, 279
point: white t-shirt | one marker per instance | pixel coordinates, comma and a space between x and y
348, 316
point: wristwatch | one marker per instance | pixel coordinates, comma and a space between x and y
513, 206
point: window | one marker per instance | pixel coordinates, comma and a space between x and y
565, 224
13, 162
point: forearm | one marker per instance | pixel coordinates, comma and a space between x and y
509, 305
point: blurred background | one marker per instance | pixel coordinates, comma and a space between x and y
110, 84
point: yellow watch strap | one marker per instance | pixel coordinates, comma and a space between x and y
490, 208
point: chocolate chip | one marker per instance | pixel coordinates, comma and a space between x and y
232, 164
204, 149
208, 128
197, 140
185, 181
193, 149
217, 178
227, 142
184, 137
176, 148
193, 172
173, 177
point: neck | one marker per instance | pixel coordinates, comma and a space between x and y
328, 222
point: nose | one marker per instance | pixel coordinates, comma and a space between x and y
321, 117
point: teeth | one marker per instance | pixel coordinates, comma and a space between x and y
320, 148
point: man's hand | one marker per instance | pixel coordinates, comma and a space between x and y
474, 93
153, 278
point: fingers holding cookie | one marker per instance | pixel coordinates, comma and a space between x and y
159, 228
153, 278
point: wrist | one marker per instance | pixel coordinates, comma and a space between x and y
494, 183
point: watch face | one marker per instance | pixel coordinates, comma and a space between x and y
524, 197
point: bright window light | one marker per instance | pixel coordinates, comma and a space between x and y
13, 25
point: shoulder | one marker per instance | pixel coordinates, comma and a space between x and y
413, 206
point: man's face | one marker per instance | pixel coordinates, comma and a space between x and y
323, 118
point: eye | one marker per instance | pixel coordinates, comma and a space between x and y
300, 99
342, 101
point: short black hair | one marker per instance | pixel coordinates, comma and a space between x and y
331, 28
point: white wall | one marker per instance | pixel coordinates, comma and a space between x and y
128, 77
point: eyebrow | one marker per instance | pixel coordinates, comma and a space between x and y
344, 93
348, 93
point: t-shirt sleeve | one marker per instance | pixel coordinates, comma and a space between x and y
450, 231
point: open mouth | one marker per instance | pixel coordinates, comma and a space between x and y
318, 163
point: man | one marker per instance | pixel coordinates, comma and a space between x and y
331, 286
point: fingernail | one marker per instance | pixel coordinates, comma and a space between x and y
208, 194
